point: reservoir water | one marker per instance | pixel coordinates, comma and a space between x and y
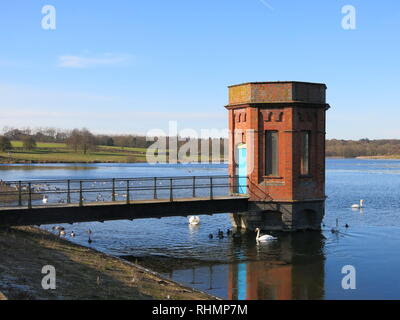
301, 265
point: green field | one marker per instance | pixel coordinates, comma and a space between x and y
60, 153
18, 144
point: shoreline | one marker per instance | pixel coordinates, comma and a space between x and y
379, 157
27, 162
30, 162
82, 273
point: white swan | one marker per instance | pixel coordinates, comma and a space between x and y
265, 237
45, 199
358, 206
194, 220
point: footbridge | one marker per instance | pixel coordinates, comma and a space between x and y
42, 202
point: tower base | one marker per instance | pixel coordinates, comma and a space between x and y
281, 216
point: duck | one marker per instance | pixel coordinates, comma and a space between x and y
72, 234
336, 229
265, 237
236, 235
62, 233
90, 236
194, 220
358, 206
210, 236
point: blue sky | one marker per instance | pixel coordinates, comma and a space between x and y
128, 66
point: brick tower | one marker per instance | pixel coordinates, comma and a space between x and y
277, 139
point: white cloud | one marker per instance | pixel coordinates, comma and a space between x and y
107, 59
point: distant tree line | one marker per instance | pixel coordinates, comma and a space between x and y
363, 147
79, 140
39, 134
82, 140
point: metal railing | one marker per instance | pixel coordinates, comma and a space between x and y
84, 191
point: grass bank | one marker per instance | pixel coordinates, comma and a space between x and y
82, 273
60, 153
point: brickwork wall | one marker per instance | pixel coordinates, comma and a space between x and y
249, 121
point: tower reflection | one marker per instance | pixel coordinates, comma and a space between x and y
291, 268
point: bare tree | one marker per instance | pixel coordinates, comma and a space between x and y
5, 144
28, 143
81, 140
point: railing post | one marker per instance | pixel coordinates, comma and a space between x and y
127, 192
80, 194
68, 191
19, 193
113, 190
30, 196
211, 188
194, 187
171, 195
155, 188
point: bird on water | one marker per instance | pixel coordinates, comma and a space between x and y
358, 206
336, 229
265, 237
194, 220
90, 236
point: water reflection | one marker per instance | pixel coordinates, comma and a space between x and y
290, 268
295, 270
